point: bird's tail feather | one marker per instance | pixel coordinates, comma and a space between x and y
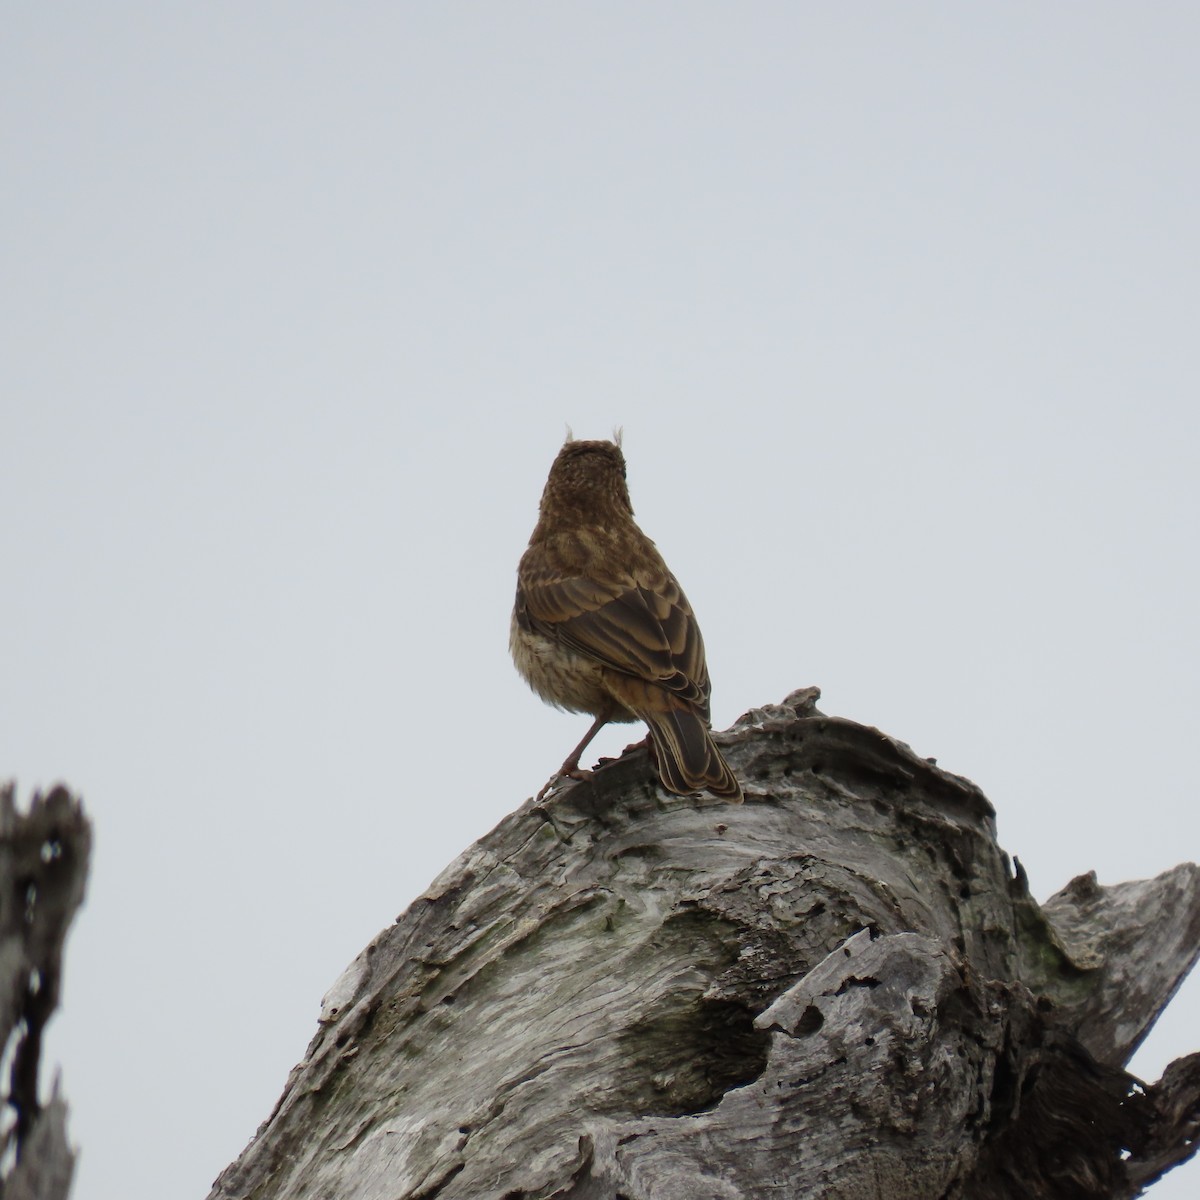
688, 758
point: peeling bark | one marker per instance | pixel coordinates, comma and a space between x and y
839, 990
43, 869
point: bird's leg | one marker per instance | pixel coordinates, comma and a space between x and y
570, 768
646, 743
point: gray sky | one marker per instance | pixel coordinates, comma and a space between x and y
897, 305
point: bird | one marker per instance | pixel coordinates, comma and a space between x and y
601, 626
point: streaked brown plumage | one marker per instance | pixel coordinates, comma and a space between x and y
601, 625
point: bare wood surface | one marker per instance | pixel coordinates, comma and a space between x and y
44, 857
841, 989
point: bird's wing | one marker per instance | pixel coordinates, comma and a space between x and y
639, 624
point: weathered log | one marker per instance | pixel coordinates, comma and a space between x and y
44, 857
841, 989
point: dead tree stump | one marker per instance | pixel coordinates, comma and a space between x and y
44, 857
842, 989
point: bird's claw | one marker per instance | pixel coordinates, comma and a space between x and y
567, 772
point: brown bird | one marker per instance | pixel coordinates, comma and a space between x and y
601, 625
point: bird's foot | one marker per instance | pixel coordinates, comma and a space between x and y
568, 770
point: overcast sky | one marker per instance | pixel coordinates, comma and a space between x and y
897, 305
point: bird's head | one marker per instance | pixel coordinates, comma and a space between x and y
587, 481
